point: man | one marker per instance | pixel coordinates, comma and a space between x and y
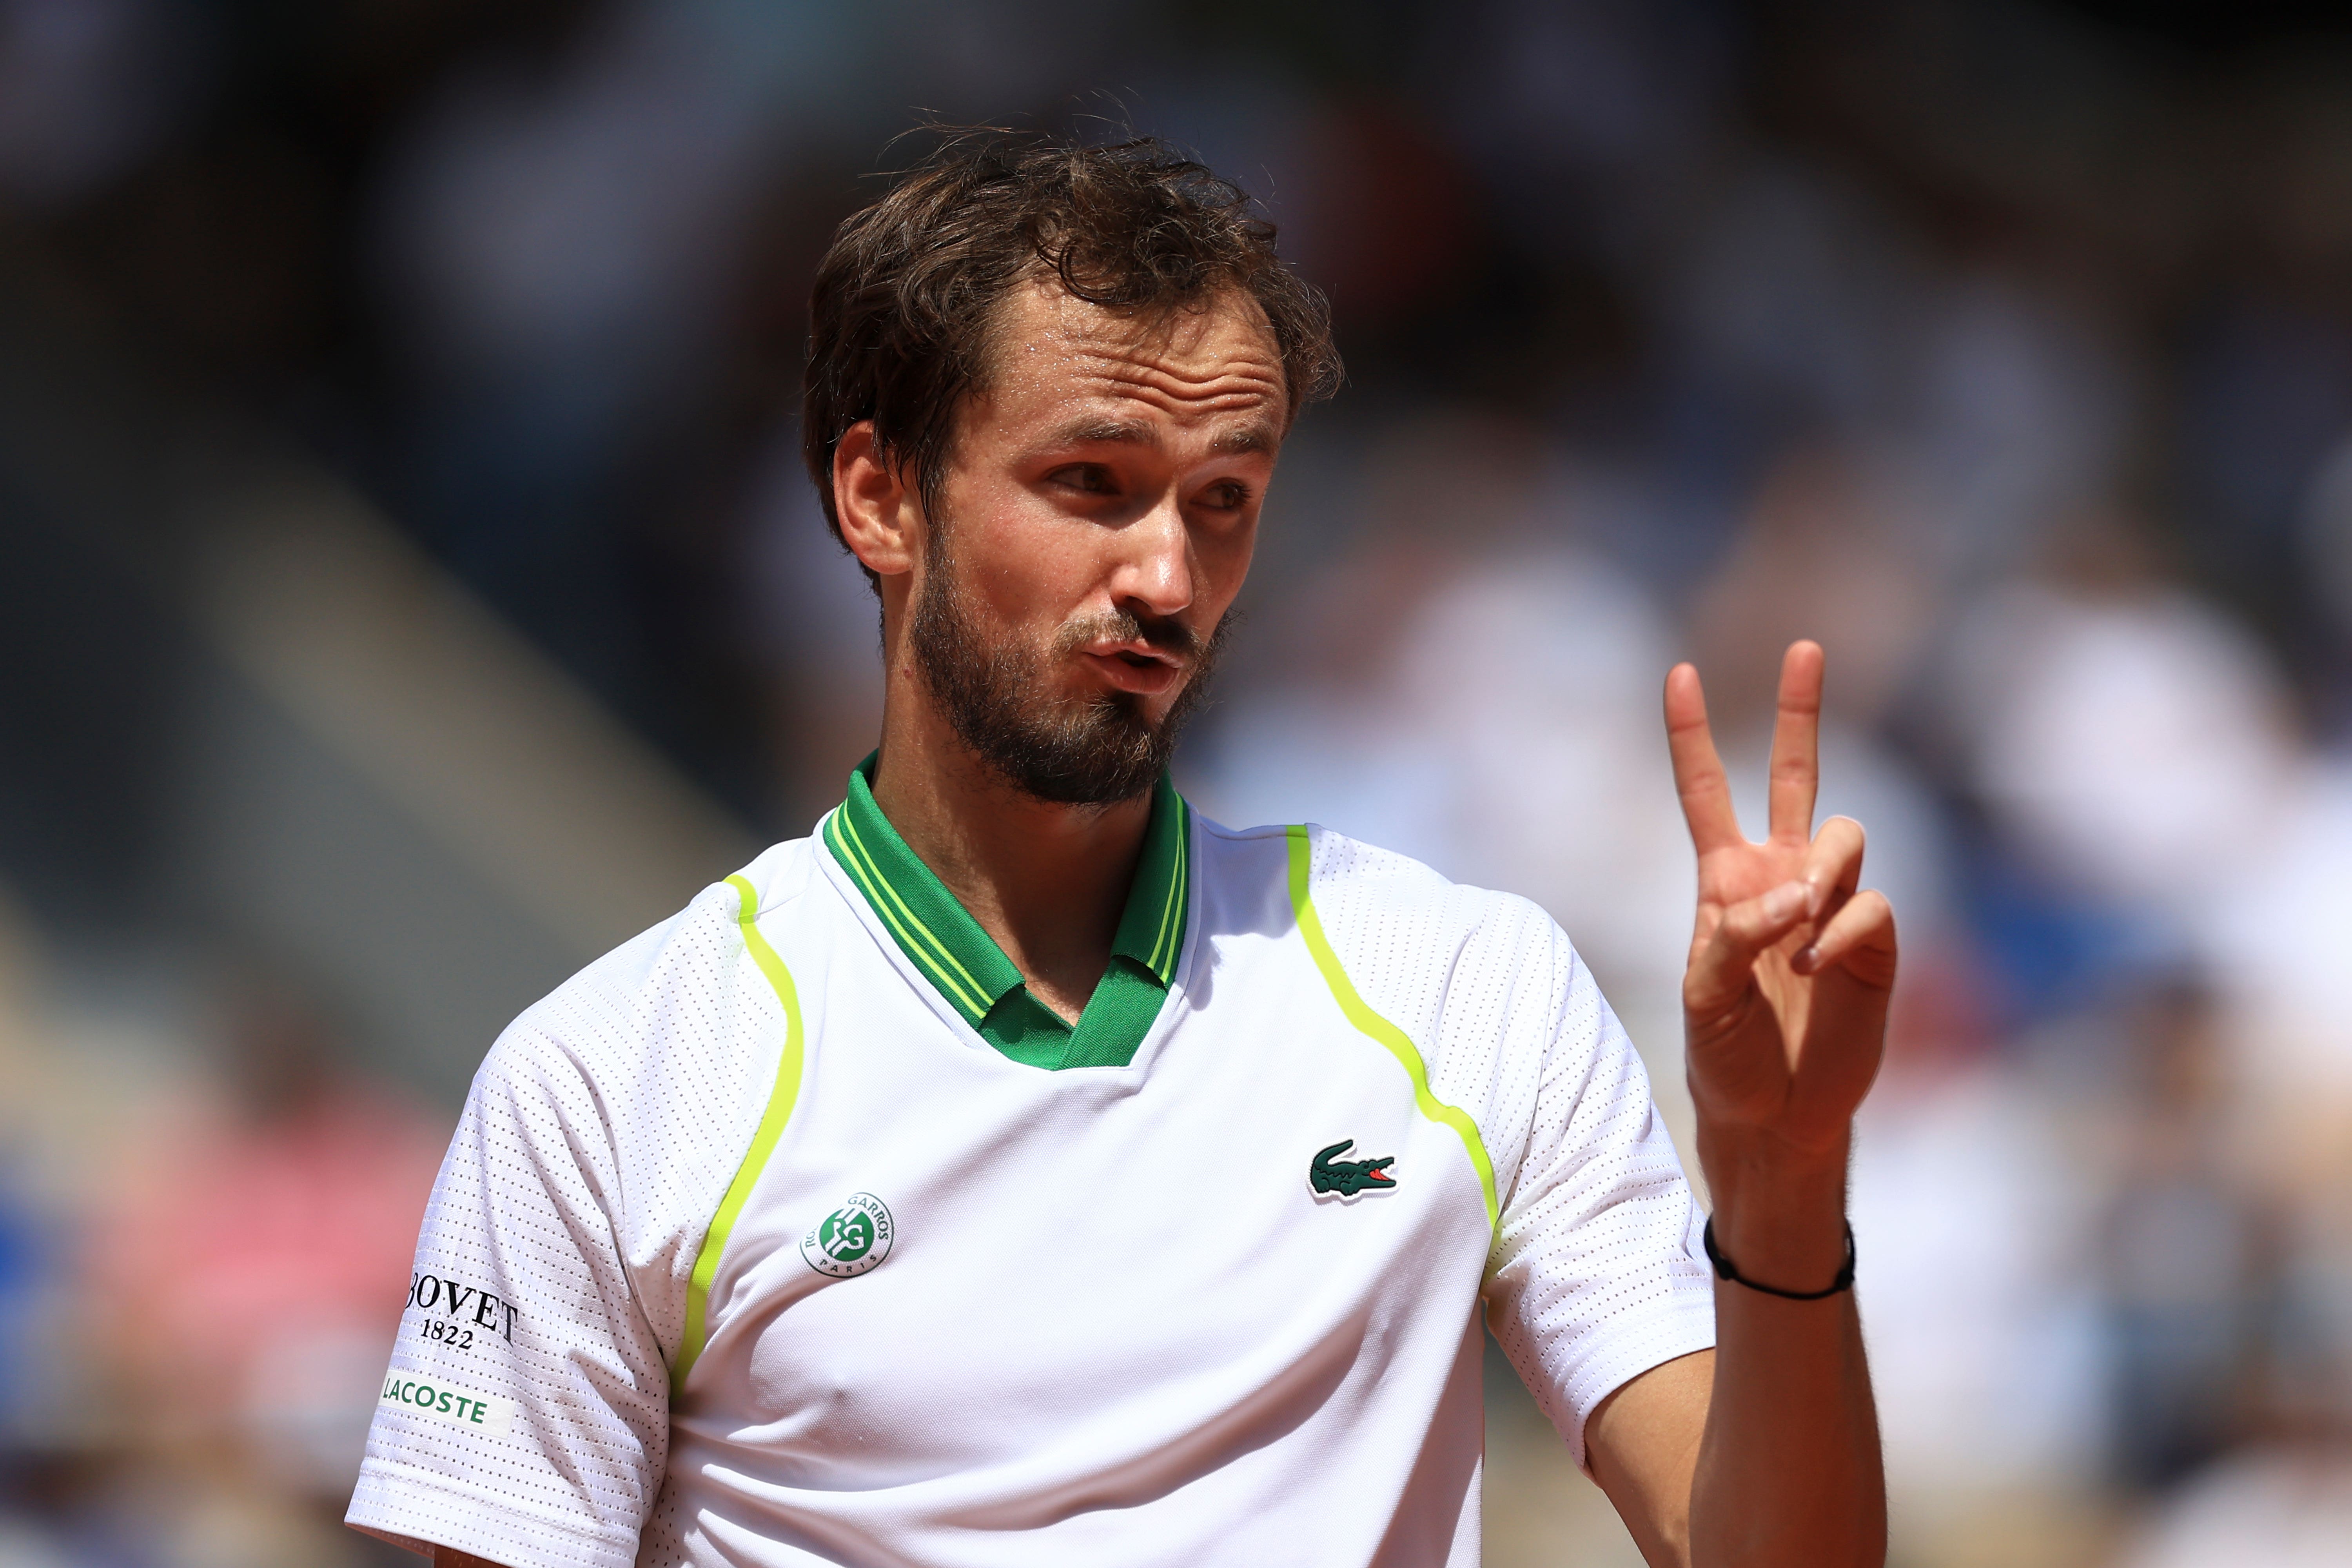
1024, 1170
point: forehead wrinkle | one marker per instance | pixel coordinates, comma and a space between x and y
1183, 412
1255, 437
1245, 368
1224, 391
1103, 360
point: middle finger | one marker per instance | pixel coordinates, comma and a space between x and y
1795, 744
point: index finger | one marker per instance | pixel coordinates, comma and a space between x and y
1797, 743
1699, 772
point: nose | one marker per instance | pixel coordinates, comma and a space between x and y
1154, 574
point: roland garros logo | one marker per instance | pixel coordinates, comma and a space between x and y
852, 1239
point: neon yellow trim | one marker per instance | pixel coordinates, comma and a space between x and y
973, 1000
836, 837
764, 1142
1343, 991
1161, 966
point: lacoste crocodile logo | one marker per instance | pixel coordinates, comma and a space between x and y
1347, 1177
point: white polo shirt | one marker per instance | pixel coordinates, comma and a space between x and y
754, 1247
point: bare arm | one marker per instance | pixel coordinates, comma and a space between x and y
1789, 1469
1643, 1444
1767, 1448
1765, 1451
450, 1557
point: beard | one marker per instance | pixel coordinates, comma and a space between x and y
1096, 750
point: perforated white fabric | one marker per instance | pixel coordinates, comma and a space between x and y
599, 1137
1117, 1324
1597, 1274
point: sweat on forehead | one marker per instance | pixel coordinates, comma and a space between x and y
1038, 323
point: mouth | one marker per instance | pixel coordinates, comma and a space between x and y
1133, 666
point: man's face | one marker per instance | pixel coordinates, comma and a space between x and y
1095, 524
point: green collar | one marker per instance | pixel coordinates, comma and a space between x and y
963, 961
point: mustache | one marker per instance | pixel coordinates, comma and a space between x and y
1161, 633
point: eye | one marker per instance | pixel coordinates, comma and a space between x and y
1229, 496
1092, 478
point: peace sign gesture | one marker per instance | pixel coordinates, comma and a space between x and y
1784, 999
1772, 1444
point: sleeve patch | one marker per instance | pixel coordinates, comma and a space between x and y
443, 1403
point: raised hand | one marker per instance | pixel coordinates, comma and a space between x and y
1784, 999
1765, 1454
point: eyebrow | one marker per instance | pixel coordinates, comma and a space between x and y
1252, 438
1096, 432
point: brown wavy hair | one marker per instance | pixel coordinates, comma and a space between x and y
905, 298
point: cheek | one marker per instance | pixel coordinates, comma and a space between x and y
1026, 563
1222, 559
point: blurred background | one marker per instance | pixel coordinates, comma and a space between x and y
408, 589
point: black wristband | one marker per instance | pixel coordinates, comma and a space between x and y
1723, 1270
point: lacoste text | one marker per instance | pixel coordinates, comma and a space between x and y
445, 1404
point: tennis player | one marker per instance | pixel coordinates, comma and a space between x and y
1023, 1169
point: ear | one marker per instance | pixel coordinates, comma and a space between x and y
881, 518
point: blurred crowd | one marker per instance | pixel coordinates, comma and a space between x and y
2004, 348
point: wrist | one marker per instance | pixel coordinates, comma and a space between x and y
1779, 1210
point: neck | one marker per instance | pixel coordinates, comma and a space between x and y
1046, 882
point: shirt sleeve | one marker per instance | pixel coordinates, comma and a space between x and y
525, 1415
1598, 1275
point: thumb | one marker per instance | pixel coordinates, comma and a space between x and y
1723, 965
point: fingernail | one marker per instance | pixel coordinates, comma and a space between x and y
1807, 960
1785, 902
